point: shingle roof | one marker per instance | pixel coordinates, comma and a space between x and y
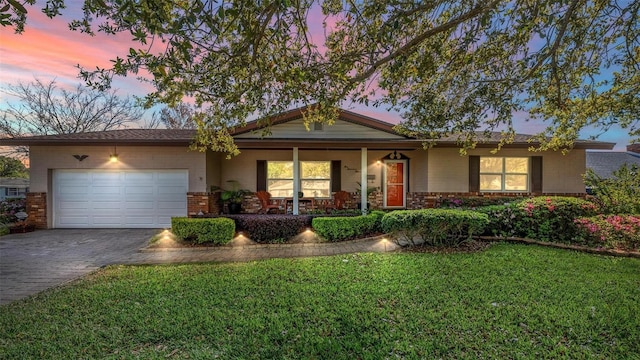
14, 182
123, 136
183, 137
604, 163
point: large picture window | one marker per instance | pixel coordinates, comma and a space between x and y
504, 173
315, 178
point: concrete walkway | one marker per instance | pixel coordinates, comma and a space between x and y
33, 262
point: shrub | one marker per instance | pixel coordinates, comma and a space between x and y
378, 215
271, 229
345, 228
8, 209
546, 218
612, 231
502, 220
218, 231
444, 227
619, 194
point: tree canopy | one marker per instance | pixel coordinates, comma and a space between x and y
44, 108
449, 67
10, 167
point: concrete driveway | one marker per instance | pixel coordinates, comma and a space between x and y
33, 262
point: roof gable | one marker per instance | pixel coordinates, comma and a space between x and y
290, 125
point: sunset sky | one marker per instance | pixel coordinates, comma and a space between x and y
48, 50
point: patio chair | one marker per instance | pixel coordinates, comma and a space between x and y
339, 200
265, 202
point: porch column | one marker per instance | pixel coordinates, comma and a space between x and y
296, 180
363, 180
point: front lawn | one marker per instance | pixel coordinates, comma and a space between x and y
510, 301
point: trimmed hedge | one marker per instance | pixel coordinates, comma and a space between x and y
545, 218
345, 228
269, 228
218, 231
435, 226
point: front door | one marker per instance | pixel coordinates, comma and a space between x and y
395, 183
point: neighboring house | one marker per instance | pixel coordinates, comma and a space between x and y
75, 184
12, 188
604, 163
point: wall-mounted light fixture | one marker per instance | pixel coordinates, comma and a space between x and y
80, 157
114, 155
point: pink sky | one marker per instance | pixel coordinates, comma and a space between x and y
49, 50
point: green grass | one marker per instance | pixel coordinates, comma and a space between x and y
511, 301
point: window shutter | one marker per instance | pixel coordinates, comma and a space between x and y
474, 173
261, 179
336, 178
536, 174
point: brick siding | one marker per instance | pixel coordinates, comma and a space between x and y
37, 209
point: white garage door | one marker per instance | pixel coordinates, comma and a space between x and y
117, 198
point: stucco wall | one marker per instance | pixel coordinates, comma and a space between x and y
449, 172
44, 158
563, 173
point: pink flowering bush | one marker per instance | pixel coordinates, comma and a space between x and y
8, 209
610, 231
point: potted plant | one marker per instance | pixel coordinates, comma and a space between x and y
234, 196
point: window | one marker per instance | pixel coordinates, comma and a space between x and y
13, 192
315, 178
504, 173
280, 178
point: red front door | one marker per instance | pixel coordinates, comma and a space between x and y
395, 183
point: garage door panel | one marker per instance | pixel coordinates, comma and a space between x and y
141, 190
73, 221
74, 205
108, 176
74, 176
140, 176
100, 190
140, 220
107, 221
118, 198
73, 190
140, 205
115, 206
